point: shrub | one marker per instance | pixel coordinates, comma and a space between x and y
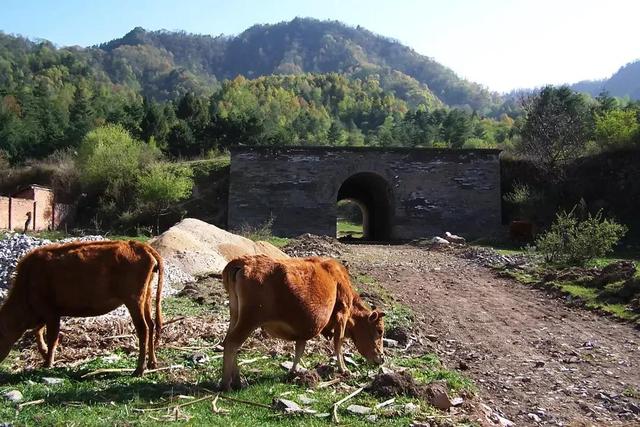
571, 241
523, 198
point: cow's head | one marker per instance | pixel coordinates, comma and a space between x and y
366, 328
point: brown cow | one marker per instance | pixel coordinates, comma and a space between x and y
83, 279
296, 300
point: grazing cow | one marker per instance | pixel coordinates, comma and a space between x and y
83, 279
296, 300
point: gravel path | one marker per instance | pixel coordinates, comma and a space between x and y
534, 359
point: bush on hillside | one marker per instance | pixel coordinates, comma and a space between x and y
572, 241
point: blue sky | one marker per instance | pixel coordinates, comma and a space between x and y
501, 44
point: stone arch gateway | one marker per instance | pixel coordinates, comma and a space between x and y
406, 193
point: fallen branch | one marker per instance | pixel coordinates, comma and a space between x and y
114, 337
168, 322
31, 403
246, 402
385, 403
328, 383
340, 402
214, 405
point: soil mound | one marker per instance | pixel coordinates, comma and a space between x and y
200, 248
395, 384
308, 245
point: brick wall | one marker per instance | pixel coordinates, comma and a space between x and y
4, 213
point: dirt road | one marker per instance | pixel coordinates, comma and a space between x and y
533, 358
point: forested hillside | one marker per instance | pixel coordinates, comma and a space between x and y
302, 82
624, 83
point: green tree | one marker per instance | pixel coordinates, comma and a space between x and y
110, 161
162, 185
557, 125
617, 128
81, 116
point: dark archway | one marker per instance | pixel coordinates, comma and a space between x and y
374, 195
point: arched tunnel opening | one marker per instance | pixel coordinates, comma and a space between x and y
372, 194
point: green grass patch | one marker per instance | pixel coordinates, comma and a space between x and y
117, 398
345, 227
183, 306
278, 242
397, 314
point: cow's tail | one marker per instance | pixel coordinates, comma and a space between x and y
229, 278
229, 274
160, 269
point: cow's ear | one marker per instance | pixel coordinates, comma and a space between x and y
373, 316
381, 314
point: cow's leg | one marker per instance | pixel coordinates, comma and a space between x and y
299, 352
142, 330
40, 342
338, 338
232, 342
152, 363
53, 337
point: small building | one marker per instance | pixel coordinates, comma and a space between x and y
32, 208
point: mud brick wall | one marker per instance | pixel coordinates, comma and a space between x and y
410, 193
4, 213
19, 210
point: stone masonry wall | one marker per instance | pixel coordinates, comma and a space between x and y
430, 191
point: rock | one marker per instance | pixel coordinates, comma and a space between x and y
452, 238
199, 248
457, 401
289, 364
634, 408
52, 380
439, 241
388, 342
534, 418
359, 409
410, 408
502, 421
486, 409
371, 418
13, 396
437, 396
199, 358
285, 405
306, 400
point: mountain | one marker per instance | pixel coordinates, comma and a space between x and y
295, 47
625, 82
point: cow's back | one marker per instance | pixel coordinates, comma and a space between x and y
291, 298
85, 279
